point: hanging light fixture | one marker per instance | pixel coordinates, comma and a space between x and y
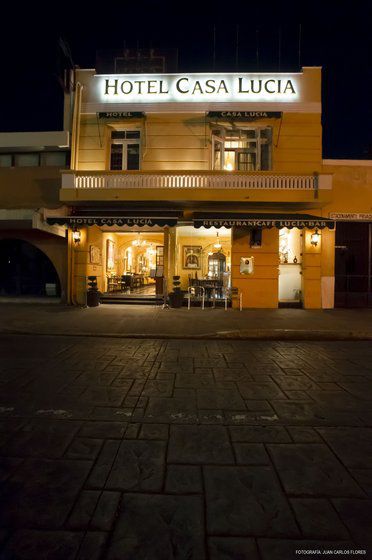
315, 237
138, 241
217, 245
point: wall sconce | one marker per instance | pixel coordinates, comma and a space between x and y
76, 236
315, 238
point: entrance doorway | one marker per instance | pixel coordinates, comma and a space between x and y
353, 265
134, 263
26, 271
290, 267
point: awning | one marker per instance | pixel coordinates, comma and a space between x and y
132, 220
261, 221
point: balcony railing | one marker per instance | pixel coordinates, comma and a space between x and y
193, 180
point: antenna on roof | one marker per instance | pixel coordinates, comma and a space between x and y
214, 48
237, 48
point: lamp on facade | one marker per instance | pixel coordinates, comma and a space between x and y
217, 245
76, 236
315, 237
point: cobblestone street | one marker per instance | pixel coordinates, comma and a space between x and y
125, 449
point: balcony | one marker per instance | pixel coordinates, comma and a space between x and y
199, 185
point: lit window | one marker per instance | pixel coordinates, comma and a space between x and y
245, 149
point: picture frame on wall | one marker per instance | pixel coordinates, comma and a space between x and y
192, 257
110, 255
94, 254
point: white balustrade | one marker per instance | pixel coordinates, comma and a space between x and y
83, 180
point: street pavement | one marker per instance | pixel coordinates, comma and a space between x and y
151, 321
184, 449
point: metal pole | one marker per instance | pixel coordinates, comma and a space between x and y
189, 299
165, 293
203, 296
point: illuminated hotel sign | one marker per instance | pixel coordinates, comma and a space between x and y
157, 88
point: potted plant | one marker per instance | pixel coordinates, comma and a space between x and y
92, 293
176, 297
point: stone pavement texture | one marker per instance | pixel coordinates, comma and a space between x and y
151, 321
124, 449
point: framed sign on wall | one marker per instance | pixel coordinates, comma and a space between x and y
192, 257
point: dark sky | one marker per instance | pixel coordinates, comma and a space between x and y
31, 98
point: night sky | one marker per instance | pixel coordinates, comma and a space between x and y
31, 97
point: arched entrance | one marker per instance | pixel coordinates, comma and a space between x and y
26, 271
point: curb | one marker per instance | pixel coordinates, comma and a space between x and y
259, 334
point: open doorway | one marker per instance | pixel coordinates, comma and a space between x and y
134, 263
290, 267
25, 270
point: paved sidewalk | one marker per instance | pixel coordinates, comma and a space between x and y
153, 321
119, 449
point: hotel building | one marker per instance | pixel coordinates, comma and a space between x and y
215, 178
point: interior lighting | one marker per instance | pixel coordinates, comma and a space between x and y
315, 238
151, 251
217, 245
138, 241
76, 236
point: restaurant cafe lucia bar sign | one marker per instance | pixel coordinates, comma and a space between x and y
197, 87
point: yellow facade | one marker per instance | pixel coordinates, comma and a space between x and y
177, 159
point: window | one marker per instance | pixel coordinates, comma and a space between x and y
125, 150
27, 160
53, 159
245, 149
6, 160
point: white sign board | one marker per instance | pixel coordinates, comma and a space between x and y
197, 88
351, 216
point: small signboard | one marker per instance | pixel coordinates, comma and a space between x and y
121, 115
351, 216
244, 115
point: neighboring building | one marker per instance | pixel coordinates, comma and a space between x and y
33, 254
218, 179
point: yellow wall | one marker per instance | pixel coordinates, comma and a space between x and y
259, 289
182, 142
352, 187
29, 187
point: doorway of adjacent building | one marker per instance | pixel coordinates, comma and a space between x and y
353, 265
26, 271
290, 267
